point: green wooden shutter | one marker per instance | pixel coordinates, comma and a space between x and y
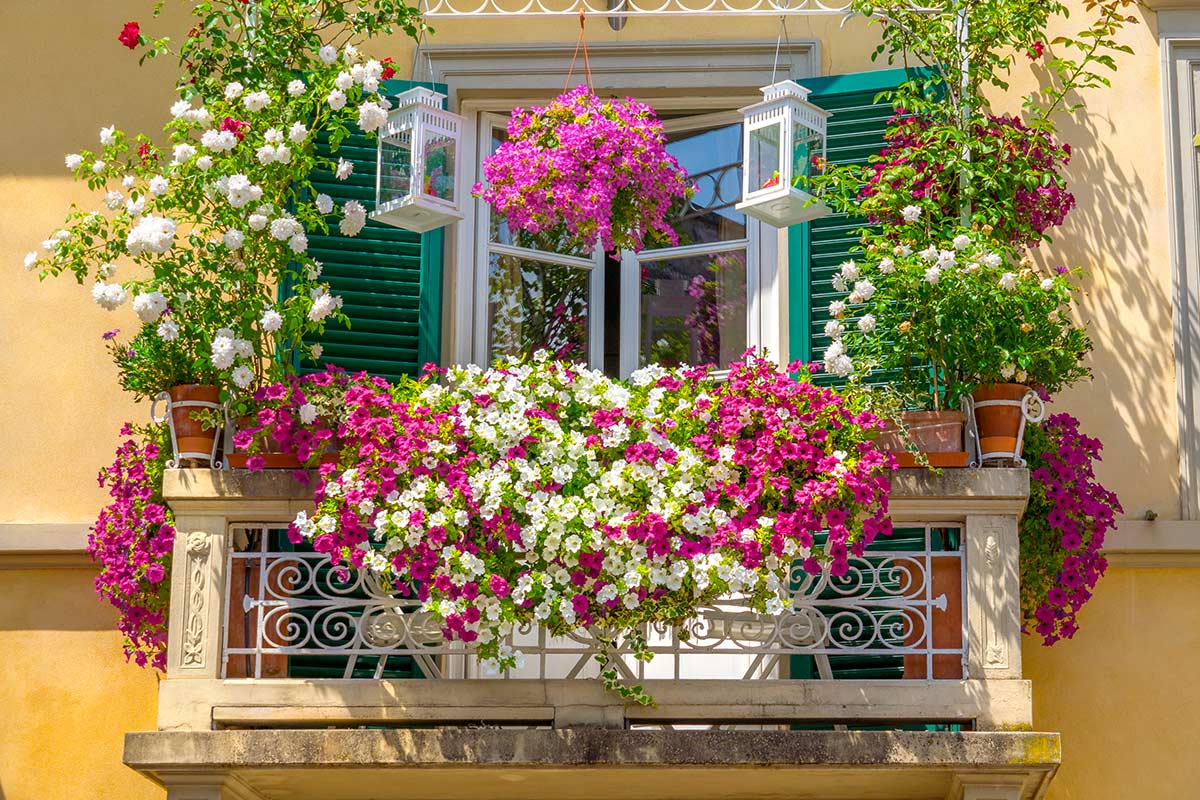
815, 249
389, 279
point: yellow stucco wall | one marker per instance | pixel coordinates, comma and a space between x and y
1121, 692
67, 697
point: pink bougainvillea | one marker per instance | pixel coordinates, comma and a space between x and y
584, 170
132, 541
1063, 529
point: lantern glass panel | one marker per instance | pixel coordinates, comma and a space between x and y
766, 160
395, 168
439, 154
806, 145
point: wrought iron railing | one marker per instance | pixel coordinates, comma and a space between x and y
290, 613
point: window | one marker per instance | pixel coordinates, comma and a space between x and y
617, 311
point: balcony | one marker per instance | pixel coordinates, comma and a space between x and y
901, 679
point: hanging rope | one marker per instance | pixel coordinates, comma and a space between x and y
779, 41
417, 51
580, 44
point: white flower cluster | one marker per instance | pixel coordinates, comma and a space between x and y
226, 347
323, 304
151, 234
354, 218
108, 295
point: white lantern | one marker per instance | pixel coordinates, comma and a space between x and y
417, 167
780, 137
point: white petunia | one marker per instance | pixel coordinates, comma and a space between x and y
337, 99
324, 203
73, 161
158, 186
911, 213
149, 306
866, 323
298, 132
308, 414
233, 90
1008, 281
168, 330
271, 320
256, 101
961, 242
242, 376
344, 169
295, 88
328, 54
234, 239
108, 136
354, 218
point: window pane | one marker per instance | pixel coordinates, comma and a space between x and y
765, 161
534, 305
694, 310
713, 160
546, 241
439, 168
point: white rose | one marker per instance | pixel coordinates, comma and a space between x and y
108, 136
328, 54
337, 99
324, 203
295, 88
911, 213
234, 239
73, 161
271, 320
233, 90
1008, 281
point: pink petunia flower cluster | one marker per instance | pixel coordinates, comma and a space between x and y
547, 493
132, 541
1063, 530
586, 170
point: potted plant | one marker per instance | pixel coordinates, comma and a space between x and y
586, 170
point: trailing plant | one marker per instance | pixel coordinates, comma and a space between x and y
1063, 529
543, 492
132, 540
586, 170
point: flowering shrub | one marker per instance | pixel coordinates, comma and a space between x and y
208, 220
546, 492
589, 169
1017, 187
952, 315
132, 541
1063, 529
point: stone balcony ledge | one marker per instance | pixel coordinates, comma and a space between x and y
589, 763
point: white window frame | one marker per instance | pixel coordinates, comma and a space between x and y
673, 76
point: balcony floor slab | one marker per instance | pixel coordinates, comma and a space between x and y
581, 764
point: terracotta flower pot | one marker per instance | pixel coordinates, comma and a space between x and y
190, 434
999, 425
274, 456
938, 435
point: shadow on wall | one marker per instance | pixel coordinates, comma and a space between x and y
1126, 303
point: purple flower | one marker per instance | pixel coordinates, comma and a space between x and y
110, 334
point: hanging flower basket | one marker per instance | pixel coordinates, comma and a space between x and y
586, 170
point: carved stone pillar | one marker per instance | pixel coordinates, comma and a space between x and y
197, 598
993, 596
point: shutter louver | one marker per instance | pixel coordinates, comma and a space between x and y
815, 249
389, 279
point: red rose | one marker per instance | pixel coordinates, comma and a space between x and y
389, 70
236, 127
131, 35
1035, 51
146, 153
